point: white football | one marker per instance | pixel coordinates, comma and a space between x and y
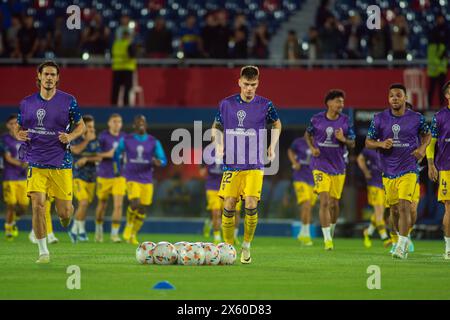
192, 254
165, 253
212, 255
144, 252
227, 253
180, 246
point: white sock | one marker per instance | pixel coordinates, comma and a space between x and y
305, 230
236, 232
402, 242
42, 244
332, 227
326, 233
115, 231
99, 228
74, 228
81, 226
371, 229
217, 237
246, 245
447, 244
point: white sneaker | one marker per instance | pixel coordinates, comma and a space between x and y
447, 255
399, 253
32, 237
245, 256
51, 239
43, 259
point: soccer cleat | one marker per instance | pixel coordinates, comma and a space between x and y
65, 222
99, 237
306, 241
207, 226
83, 237
51, 239
127, 232
329, 245
15, 231
387, 242
32, 237
43, 259
116, 239
245, 256
367, 241
399, 253
447, 255
133, 240
73, 236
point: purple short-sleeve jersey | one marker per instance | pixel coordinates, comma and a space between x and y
12, 172
107, 142
303, 155
440, 129
138, 164
372, 158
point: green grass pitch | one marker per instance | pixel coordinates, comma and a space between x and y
281, 269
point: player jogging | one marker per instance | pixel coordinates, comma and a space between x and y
395, 133
45, 121
329, 135
241, 117
438, 156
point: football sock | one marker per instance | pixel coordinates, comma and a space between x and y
82, 226
381, 227
228, 221
410, 230
332, 227
42, 244
98, 227
305, 230
115, 226
250, 223
217, 236
394, 236
138, 222
130, 216
326, 233
8, 228
371, 229
75, 227
447, 244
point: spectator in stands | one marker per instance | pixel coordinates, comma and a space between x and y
66, 42
208, 33
239, 47
330, 39
353, 32
159, 40
156, 5
27, 40
124, 25
11, 36
221, 36
323, 13
240, 23
437, 58
380, 41
261, 38
190, 40
95, 38
400, 32
292, 47
123, 65
270, 5
313, 43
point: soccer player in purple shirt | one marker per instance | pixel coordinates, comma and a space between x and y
329, 135
14, 179
48, 121
369, 163
439, 161
243, 117
108, 184
143, 152
401, 136
299, 154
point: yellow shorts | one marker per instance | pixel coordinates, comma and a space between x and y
305, 192
84, 190
213, 201
54, 182
334, 184
400, 188
15, 192
244, 183
142, 191
111, 186
416, 195
376, 196
444, 180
